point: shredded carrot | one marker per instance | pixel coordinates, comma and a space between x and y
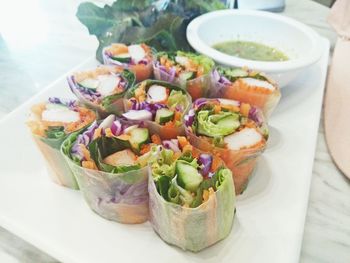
176, 155
187, 148
145, 148
216, 163
140, 92
217, 108
156, 139
169, 124
200, 71
89, 165
118, 48
231, 108
97, 133
245, 108
177, 116
108, 132
205, 195
182, 141
195, 152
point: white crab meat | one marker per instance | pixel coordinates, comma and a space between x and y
90, 83
229, 102
258, 83
137, 53
156, 93
245, 138
60, 114
125, 157
183, 61
138, 115
107, 84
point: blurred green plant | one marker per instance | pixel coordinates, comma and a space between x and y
160, 24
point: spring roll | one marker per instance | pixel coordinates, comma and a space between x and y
137, 58
247, 86
234, 130
192, 201
109, 160
102, 89
188, 70
50, 123
160, 105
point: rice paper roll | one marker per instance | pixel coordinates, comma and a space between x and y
102, 89
160, 105
137, 58
192, 201
234, 130
109, 160
50, 123
190, 71
247, 86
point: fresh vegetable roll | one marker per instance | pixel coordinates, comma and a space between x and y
50, 123
102, 89
234, 130
189, 70
137, 58
109, 160
246, 86
160, 105
192, 200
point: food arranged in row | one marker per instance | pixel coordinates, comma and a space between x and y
139, 149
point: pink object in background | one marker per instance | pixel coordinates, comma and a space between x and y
337, 111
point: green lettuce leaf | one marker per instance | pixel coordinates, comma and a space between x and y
214, 125
161, 24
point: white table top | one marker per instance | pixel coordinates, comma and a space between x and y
49, 41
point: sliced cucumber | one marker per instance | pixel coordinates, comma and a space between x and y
237, 72
164, 115
138, 137
123, 58
187, 176
230, 122
89, 83
185, 76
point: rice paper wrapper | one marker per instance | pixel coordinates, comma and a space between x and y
119, 197
57, 167
165, 132
197, 88
116, 105
197, 228
240, 162
266, 102
141, 71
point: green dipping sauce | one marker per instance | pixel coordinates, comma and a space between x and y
250, 50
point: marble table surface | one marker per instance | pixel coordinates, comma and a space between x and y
41, 40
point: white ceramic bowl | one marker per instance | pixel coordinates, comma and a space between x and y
299, 42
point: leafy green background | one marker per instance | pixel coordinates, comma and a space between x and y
160, 24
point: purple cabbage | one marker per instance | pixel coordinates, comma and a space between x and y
69, 103
151, 107
161, 72
172, 144
189, 118
256, 115
205, 160
84, 94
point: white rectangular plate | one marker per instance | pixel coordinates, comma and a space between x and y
270, 214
